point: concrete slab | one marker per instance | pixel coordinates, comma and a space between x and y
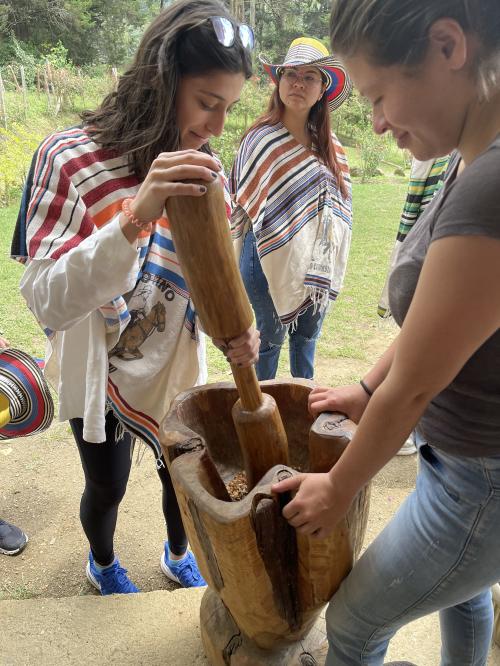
149, 629
160, 627
153, 629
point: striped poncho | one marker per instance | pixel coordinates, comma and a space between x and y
142, 348
300, 219
426, 178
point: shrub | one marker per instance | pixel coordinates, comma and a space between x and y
17, 145
71, 94
13, 52
254, 100
372, 151
58, 56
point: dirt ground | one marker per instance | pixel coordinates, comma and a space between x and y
42, 493
41, 483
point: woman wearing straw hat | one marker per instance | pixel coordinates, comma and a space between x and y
292, 217
26, 408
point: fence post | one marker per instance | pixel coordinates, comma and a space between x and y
49, 75
3, 103
14, 78
25, 95
114, 76
47, 88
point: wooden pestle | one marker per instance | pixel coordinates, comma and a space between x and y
202, 240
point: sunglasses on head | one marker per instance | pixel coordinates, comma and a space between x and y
225, 31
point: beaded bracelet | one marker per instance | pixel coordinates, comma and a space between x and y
368, 391
144, 226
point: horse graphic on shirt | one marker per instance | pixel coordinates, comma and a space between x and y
138, 331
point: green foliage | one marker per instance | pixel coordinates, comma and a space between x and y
4, 19
72, 92
42, 22
90, 30
353, 123
17, 145
27, 127
58, 55
372, 150
116, 51
353, 117
278, 22
118, 28
253, 102
16, 322
108, 30
14, 52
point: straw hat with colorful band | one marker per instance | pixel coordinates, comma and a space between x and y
26, 405
307, 51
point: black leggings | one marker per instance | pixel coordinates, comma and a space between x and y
107, 467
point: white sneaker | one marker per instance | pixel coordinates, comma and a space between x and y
408, 447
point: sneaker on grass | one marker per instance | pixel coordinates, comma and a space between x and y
185, 571
110, 580
12, 539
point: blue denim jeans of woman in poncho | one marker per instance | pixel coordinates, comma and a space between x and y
302, 336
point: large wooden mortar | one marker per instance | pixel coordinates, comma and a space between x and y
267, 584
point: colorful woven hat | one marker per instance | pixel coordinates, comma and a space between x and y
26, 405
308, 51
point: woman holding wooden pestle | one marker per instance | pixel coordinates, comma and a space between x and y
431, 70
102, 275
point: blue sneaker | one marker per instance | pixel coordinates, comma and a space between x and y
111, 580
185, 571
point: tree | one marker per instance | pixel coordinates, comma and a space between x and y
118, 27
278, 22
42, 22
107, 31
91, 30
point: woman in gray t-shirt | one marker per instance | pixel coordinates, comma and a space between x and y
431, 70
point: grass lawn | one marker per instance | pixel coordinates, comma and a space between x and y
351, 328
17, 323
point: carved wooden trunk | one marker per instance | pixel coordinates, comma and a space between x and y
267, 584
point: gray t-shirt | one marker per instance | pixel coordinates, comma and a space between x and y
464, 419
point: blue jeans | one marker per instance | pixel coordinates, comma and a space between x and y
441, 551
272, 332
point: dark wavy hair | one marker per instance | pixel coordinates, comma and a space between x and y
396, 32
319, 126
139, 118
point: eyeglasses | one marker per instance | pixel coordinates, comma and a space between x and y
225, 32
292, 77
